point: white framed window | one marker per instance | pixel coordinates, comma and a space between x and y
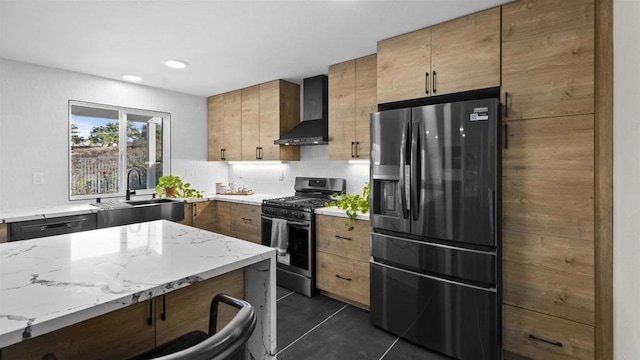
106, 142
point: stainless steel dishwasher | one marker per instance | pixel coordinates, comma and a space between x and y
24, 230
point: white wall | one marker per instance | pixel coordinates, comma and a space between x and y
34, 130
313, 162
626, 180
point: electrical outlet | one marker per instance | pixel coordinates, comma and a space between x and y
281, 178
38, 178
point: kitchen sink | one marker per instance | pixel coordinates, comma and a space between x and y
149, 202
116, 213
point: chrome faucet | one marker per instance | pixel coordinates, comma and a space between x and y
129, 191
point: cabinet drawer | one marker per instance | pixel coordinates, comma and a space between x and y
245, 222
345, 277
539, 336
333, 237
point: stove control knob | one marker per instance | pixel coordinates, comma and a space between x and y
284, 212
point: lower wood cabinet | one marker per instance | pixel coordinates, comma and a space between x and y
3, 233
126, 332
187, 309
245, 222
204, 215
539, 336
241, 221
223, 216
342, 259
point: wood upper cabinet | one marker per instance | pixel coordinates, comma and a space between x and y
465, 53
342, 259
232, 125
404, 67
547, 58
352, 97
215, 127
250, 122
244, 123
459, 55
223, 126
246, 222
279, 113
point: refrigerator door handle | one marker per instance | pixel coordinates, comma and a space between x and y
404, 195
415, 174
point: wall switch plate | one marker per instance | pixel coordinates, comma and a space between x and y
281, 178
38, 178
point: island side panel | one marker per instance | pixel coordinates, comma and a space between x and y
260, 291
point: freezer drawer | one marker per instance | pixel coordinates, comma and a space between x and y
468, 265
452, 318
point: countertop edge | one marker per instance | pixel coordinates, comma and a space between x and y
337, 212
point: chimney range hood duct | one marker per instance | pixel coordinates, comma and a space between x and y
314, 127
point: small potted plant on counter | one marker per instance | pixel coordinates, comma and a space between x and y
352, 204
171, 186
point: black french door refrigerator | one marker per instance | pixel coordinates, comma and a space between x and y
435, 213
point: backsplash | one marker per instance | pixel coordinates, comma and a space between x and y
279, 179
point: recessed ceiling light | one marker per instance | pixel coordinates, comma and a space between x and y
132, 78
175, 64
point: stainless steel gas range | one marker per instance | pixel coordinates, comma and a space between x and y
288, 224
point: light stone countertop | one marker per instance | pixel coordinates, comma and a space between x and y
335, 211
36, 213
52, 282
45, 212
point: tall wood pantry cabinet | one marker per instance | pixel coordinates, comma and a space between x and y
548, 179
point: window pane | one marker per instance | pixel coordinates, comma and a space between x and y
144, 149
94, 151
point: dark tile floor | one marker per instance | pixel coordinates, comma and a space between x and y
324, 328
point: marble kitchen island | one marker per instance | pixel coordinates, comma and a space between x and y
51, 283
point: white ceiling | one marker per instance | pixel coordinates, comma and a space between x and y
228, 44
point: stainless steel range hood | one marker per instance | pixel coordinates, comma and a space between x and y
314, 127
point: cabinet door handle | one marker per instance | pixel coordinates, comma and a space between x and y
352, 151
245, 219
223, 154
434, 82
342, 237
426, 83
150, 318
506, 104
261, 152
163, 315
554, 343
357, 149
257, 152
343, 278
506, 136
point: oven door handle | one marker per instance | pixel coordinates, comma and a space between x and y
288, 222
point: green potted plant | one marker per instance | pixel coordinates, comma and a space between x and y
171, 186
352, 204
